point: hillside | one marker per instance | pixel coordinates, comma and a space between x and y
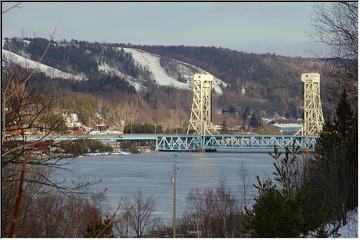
267, 78
160, 76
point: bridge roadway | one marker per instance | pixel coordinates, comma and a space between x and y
183, 143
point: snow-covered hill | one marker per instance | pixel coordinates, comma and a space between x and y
30, 64
152, 63
162, 71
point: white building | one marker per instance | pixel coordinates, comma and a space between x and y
71, 120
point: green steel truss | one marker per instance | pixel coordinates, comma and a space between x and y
238, 143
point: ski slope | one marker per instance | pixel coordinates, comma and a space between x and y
217, 82
152, 63
47, 70
113, 71
147, 60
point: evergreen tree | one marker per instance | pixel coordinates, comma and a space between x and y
344, 115
232, 109
246, 113
254, 122
279, 209
333, 174
351, 164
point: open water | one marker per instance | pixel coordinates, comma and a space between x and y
124, 175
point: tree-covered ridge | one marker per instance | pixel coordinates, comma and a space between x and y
236, 67
77, 56
269, 79
266, 83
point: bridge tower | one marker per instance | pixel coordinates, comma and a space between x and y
313, 115
200, 119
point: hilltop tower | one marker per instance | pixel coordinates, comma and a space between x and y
313, 115
200, 119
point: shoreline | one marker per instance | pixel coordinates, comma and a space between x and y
112, 153
106, 153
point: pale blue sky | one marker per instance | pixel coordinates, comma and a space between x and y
282, 28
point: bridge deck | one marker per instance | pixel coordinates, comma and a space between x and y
240, 143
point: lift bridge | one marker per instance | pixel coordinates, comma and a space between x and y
202, 135
207, 138
211, 143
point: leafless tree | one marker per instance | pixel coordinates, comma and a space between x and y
336, 25
16, 5
136, 214
226, 208
121, 225
49, 213
211, 213
35, 204
26, 163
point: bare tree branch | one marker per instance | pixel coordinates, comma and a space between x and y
16, 5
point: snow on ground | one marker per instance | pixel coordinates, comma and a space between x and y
217, 84
350, 230
147, 60
152, 63
47, 70
132, 81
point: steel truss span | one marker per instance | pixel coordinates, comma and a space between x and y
238, 143
188, 143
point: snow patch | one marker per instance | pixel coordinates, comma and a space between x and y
152, 63
47, 70
350, 229
3, 41
217, 83
113, 71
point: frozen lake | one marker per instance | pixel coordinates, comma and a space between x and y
124, 175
